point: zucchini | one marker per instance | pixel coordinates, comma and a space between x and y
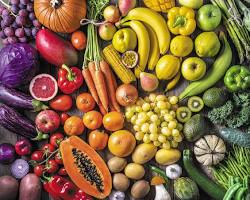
211, 188
235, 136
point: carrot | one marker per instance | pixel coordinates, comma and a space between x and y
102, 110
90, 83
114, 80
100, 84
110, 84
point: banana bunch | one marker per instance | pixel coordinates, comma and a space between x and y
152, 33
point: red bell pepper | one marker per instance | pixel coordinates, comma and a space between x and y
69, 79
47, 188
65, 189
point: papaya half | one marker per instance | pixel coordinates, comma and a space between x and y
85, 167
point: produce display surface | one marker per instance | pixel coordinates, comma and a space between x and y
125, 99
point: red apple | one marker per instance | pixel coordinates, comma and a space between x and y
111, 14
47, 121
107, 31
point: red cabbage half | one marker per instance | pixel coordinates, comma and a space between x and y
18, 64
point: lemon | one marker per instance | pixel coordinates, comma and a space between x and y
167, 67
181, 46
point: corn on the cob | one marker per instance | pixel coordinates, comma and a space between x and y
114, 59
160, 5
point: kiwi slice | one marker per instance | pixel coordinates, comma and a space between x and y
183, 114
195, 104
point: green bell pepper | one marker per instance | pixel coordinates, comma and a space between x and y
237, 78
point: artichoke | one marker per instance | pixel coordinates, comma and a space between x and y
186, 189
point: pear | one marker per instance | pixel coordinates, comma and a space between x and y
149, 82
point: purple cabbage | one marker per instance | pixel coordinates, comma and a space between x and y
18, 64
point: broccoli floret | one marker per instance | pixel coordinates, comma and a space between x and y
239, 119
220, 115
241, 99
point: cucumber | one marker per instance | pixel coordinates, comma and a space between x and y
235, 136
211, 188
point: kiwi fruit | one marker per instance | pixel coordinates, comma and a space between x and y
195, 104
183, 114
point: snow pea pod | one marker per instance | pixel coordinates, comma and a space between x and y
231, 191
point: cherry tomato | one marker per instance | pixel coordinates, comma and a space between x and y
37, 156
48, 149
51, 166
64, 117
85, 102
61, 102
79, 40
58, 158
56, 138
38, 170
62, 172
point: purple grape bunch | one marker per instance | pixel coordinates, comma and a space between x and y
18, 22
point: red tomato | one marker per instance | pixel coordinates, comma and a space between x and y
64, 117
58, 158
37, 156
56, 138
79, 40
38, 170
62, 172
61, 102
51, 166
48, 149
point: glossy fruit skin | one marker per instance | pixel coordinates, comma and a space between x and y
58, 158
64, 117
38, 170
37, 156
98, 139
51, 167
48, 149
47, 42
85, 102
23, 147
62, 172
209, 17
47, 121
74, 126
56, 138
79, 40
61, 103
121, 143
92, 120
195, 4
193, 68
106, 31
113, 121
111, 14
181, 46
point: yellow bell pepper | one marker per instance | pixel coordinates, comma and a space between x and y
181, 20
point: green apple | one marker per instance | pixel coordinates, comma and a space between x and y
106, 31
195, 4
193, 68
124, 40
209, 17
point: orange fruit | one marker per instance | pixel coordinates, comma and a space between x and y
92, 119
98, 139
73, 126
113, 121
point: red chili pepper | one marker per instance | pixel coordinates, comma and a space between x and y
47, 188
69, 79
80, 196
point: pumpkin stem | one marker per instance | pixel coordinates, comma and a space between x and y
56, 3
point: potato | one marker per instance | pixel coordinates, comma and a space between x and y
134, 171
117, 164
120, 182
144, 153
167, 156
30, 188
140, 189
8, 188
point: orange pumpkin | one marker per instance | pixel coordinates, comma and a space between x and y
85, 167
62, 16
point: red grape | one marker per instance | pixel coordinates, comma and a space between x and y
8, 31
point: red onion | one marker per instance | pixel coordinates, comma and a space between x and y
19, 168
7, 153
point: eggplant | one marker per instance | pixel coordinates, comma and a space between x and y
19, 100
13, 121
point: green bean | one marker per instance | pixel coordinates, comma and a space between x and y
240, 192
231, 191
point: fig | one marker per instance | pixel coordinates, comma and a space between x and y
149, 82
126, 5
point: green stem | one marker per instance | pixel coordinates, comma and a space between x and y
51, 155
70, 75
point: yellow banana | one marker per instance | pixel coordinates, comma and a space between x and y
155, 20
143, 44
154, 53
173, 82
